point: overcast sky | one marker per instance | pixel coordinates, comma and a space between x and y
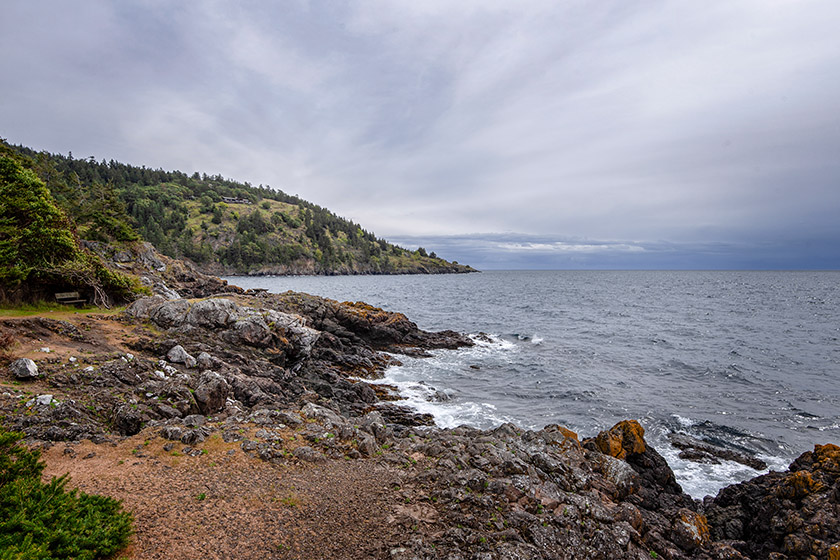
556, 134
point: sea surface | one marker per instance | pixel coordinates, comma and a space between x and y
746, 360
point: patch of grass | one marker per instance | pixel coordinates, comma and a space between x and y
201, 497
41, 521
44, 307
291, 501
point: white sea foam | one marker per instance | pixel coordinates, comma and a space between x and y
704, 479
426, 399
424, 382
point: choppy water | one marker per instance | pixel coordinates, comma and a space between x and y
750, 360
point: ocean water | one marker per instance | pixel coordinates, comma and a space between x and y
746, 360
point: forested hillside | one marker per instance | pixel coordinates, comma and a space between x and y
220, 224
40, 252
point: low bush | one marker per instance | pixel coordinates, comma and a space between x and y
41, 521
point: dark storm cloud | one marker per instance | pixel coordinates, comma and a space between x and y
694, 134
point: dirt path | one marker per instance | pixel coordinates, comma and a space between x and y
224, 504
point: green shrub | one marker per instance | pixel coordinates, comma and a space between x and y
41, 521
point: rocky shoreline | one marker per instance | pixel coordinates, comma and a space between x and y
278, 379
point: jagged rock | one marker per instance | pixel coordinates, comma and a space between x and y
627, 437
252, 331
192, 437
289, 418
690, 530
702, 452
204, 361
142, 308
306, 453
211, 392
794, 513
194, 420
166, 411
177, 355
127, 421
326, 415
24, 368
170, 313
173, 433
366, 444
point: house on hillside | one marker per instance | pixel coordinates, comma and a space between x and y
235, 200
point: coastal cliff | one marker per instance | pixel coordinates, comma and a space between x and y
246, 425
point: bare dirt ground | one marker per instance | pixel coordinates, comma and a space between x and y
224, 504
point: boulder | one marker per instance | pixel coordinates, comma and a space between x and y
173, 433
690, 530
142, 308
40, 400
321, 413
212, 313
169, 313
306, 453
24, 368
211, 393
251, 331
127, 421
204, 361
177, 355
625, 438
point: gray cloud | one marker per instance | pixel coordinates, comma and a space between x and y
648, 133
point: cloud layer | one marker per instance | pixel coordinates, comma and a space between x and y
535, 134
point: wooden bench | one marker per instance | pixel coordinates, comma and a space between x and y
70, 298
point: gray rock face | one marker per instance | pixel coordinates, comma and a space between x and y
287, 335
324, 414
211, 393
24, 368
178, 355
212, 313
253, 331
171, 314
142, 308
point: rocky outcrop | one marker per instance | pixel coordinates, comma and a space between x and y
793, 514
359, 323
701, 452
224, 319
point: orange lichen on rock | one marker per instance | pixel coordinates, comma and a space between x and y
567, 432
625, 438
691, 530
373, 314
827, 458
797, 485
561, 437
